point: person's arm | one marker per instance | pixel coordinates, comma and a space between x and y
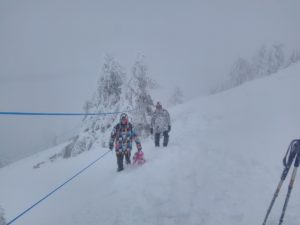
169, 121
137, 140
112, 138
152, 122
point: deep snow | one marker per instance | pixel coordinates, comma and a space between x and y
222, 165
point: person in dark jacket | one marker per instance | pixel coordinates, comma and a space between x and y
160, 123
122, 136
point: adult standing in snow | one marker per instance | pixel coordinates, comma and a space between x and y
123, 135
160, 123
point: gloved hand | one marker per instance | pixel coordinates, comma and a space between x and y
111, 146
139, 147
169, 128
151, 130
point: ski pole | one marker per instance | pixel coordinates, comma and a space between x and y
283, 176
293, 177
290, 154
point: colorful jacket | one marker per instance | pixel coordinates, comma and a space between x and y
123, 135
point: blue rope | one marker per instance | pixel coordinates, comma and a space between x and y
59, 114
21, 214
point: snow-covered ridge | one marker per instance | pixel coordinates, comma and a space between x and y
221, 167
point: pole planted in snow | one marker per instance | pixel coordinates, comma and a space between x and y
292, 153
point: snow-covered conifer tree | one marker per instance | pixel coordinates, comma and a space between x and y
108, 98
294, 57
114, 94
266, 61
240, 72
276, 58
137, 93
176, 98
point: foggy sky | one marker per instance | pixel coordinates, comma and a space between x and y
51, 51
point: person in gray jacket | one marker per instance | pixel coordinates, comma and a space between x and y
160, 123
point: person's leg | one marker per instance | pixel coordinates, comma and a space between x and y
120, 157
156, 139
127, 157
166, 138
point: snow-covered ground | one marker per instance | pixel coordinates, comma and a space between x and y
222, 165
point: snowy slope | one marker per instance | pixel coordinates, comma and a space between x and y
222, 167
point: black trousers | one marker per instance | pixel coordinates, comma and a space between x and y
157, 139
120, 158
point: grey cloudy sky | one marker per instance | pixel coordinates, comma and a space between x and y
51, 51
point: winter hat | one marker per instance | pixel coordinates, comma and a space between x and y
158, 105
124, 118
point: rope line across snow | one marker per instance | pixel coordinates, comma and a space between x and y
56, 189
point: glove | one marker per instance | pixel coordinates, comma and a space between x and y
169, 128
151, 130
111, 146
139, 147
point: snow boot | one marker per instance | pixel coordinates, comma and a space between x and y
120, 157
166, 139
157, 139
120, 169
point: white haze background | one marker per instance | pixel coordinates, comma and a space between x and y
51, 53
